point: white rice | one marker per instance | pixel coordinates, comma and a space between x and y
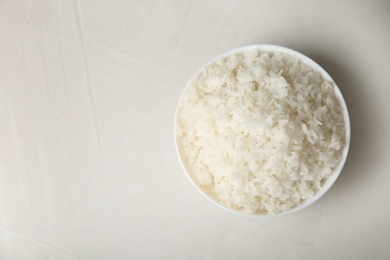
260, 132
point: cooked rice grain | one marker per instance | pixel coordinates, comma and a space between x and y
260, 132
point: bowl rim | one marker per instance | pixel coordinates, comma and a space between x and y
306, 60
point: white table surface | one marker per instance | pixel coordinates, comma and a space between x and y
88, 91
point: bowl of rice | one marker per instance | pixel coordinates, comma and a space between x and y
262, 130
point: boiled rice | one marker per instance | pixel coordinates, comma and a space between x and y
260, 132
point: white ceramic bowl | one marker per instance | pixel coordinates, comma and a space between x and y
329, 182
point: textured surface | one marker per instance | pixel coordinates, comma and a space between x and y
88, 92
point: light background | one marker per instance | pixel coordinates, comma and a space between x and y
88, 91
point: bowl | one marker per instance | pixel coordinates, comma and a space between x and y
329, 181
